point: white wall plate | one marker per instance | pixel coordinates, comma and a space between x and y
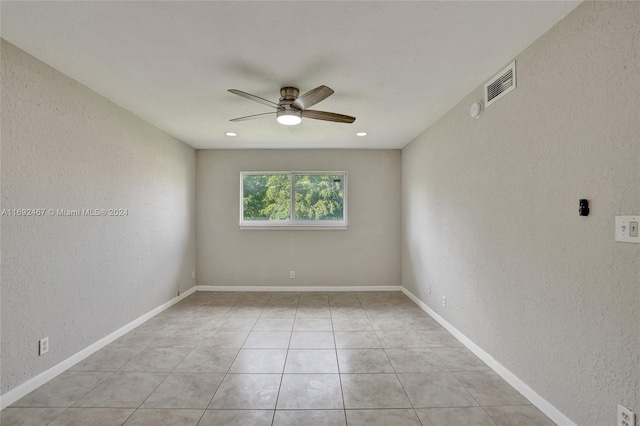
627, 229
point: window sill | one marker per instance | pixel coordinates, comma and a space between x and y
293, 228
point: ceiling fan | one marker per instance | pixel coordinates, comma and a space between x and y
292, 108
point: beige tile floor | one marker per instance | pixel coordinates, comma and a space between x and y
258, 358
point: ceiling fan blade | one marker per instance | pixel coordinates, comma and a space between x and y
251, 117
254, 98
328, 116
312, 97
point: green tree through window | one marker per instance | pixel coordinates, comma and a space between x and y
266, 197
318, 197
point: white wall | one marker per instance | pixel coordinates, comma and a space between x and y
367, 253
77, 279
490, 213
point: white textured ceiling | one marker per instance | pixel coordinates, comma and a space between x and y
396, 66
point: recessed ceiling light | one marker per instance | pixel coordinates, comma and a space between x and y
231, 134
361, 134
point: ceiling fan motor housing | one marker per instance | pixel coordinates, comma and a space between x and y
288, 95
285, 114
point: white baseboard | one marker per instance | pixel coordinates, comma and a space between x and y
298, 288
30, 385
543, 405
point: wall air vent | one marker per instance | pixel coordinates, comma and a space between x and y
500, 85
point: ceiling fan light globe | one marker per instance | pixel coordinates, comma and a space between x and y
289, 117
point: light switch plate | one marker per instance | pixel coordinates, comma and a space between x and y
626, 417
627, 229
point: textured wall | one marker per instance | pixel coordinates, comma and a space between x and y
64, 146
490, 216
367, 253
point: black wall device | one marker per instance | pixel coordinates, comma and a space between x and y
584, 207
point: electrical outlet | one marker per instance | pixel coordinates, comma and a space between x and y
44, 345
429, 288
626, 417
444, 301
292, 274
193, 274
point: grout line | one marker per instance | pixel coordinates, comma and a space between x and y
153, 372
230, 364
275, 407
65, 410
335, 344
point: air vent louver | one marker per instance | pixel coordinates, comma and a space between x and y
500, 85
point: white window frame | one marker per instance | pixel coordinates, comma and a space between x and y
292, 223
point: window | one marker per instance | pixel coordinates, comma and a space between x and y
293, 199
